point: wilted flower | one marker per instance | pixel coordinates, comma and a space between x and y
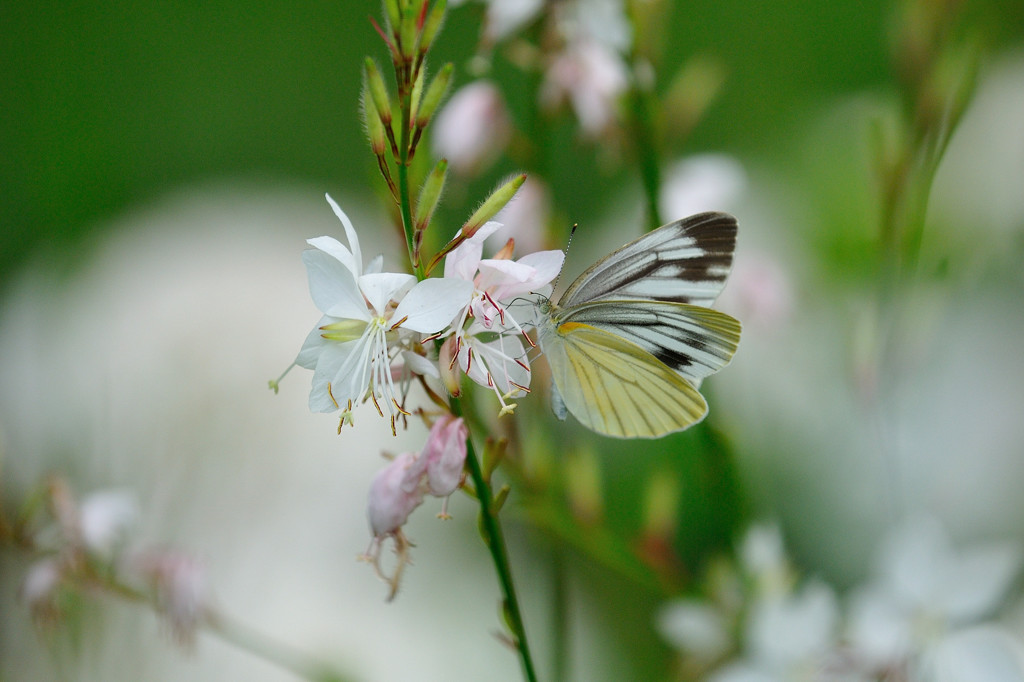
445, 455
399, 488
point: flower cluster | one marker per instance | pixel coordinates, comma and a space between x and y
374, 337
381, 332
924, 614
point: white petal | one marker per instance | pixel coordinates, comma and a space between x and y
879, 631
981, 654
417, 364
974, 584
314, 343
332, 287
911, 560
498, 359
329, 363
382, 287
463, 261
795, 628
336, 249
375, 265
695, 628
504, 275
547, 263
350, 232
432, 304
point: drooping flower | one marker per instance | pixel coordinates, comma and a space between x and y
445, 455
369, 319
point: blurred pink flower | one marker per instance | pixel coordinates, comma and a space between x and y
473, 128
591, 76
180, 588
445, 454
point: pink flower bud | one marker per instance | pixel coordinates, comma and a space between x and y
445, 454
395, 492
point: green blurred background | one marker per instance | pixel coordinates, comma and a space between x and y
105, 105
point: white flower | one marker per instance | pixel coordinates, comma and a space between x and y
369, 319
487, 336
694, 627
705, 182
104, 517
923, 593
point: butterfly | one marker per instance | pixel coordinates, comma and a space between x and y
630, 340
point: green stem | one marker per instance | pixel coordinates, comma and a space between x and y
644, 137
405, 197
230, 631
495, 540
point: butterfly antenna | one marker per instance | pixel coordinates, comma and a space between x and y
554, 284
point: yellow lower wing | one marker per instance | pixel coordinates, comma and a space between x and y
617, 388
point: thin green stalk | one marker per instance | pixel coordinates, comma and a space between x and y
232, 632
404, 194
644, 137
495, 540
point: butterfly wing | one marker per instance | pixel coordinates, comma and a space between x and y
614, 386
686, 261
692, 340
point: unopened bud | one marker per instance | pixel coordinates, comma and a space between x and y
435, 93
409, 30
433, 24
374, 126
430, 195
492, 205
394, 14
417, 95
378, 91
494, 452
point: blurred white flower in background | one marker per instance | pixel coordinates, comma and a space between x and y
925, 615
923, 595
703, 182
105, 516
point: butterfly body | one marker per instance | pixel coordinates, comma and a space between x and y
632, 337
